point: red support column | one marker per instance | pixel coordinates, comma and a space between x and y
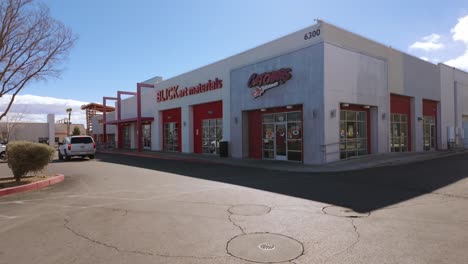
139, 128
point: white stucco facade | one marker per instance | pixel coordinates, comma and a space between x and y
333, 70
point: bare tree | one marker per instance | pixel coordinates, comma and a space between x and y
33, 46
9, 125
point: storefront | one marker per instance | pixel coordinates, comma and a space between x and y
319, 95
276, 134
208, 127
355, 136
172, 126
275, 107
146, 135
429, 125
126, 138
400, 123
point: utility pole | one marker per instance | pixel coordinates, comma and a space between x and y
69, 110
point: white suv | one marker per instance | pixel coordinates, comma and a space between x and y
3, 148
81, 146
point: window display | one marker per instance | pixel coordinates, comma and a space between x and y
212, 133
171, 136
353, 133
282, 136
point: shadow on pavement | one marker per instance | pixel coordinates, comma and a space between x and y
363, 190
73, 159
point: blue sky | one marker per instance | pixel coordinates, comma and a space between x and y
124, 42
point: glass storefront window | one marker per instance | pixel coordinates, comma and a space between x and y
429, 130
146, 136
127, 143
295, 117
353, 133
282, 136
268, 118
398, 133
212, 133
171, 137
281, 117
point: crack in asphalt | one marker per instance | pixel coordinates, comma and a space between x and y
65, 225
125, 211
206, 203
449, 195
358, 238
234, 223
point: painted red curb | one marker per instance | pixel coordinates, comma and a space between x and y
32, 186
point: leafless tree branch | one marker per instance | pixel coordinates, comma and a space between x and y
33, 46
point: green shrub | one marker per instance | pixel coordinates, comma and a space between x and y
76, 131
25, 157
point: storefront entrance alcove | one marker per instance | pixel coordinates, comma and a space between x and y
354, 131
146, 136
280, 134
172, 130
430, 125
208, 127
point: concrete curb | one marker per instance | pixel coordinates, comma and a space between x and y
32, 186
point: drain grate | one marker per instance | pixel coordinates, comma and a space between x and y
266, 246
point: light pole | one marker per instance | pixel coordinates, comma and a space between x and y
69, 110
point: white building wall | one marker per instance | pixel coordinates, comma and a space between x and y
454, 103
51, 124
356, 70
354, 78
129, 108
406, 75
29, 131
221, 70
98, 127
304, 88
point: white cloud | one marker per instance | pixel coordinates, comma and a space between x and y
429, 43
424, 58
35, 108
460, 62
460, 31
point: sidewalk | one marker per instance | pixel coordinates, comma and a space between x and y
358, 163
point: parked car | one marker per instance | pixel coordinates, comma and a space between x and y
3, 148
77, 146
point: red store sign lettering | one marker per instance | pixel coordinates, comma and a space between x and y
262, 82
174, 92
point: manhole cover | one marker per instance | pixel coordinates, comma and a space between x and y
343, 212
249, 209
265, 247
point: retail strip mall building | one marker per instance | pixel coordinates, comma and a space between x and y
315, 96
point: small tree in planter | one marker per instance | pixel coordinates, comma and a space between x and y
76, 131
25, 157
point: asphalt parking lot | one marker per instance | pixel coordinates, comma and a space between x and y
121, 209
